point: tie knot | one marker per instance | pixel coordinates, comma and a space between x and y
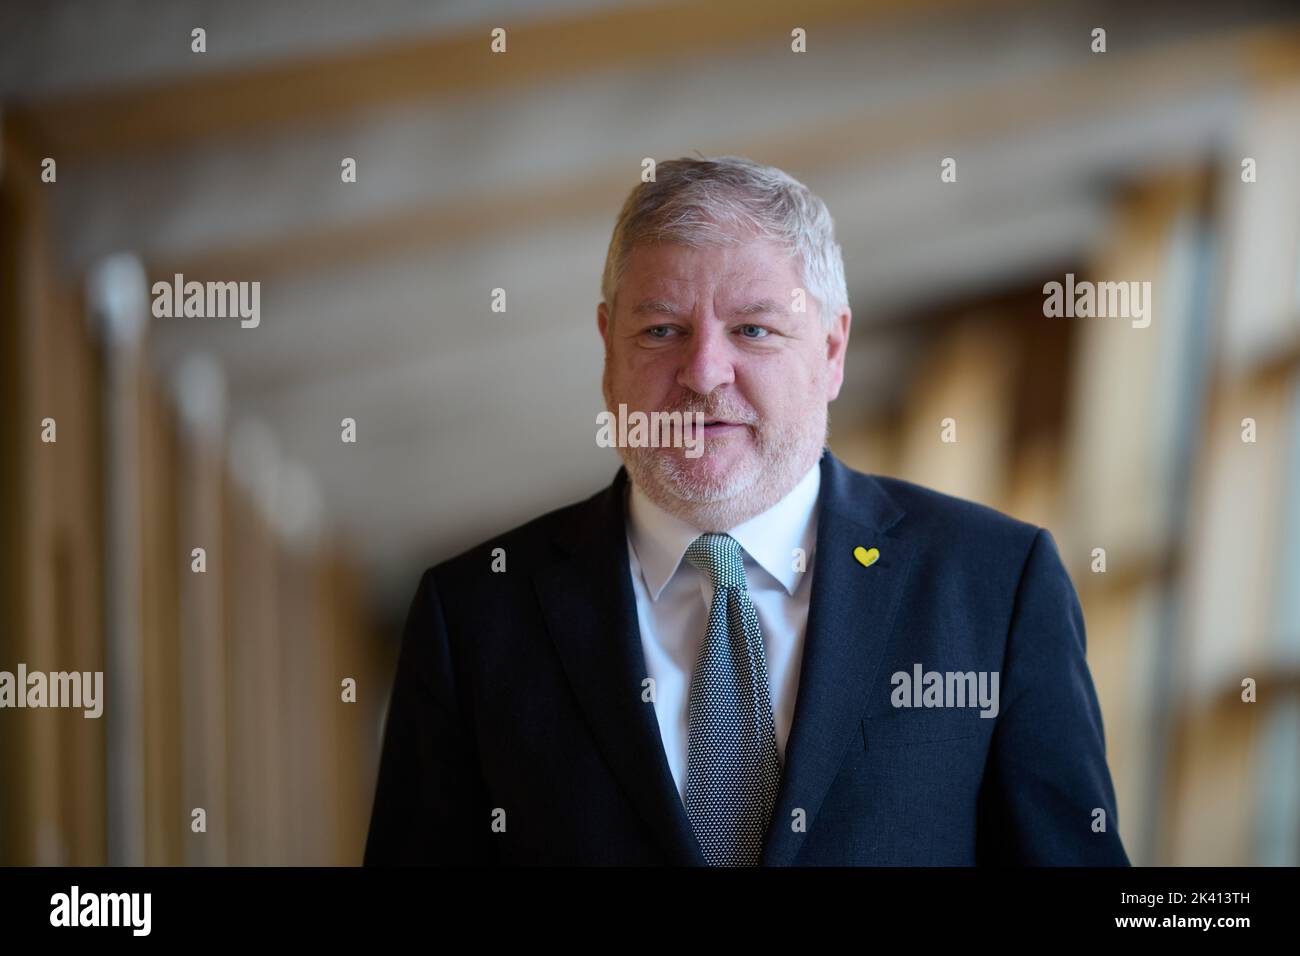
718, 556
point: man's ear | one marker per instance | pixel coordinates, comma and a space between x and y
602, 321
837, 341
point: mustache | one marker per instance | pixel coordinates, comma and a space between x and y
713, 408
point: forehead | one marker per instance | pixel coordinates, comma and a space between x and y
668, 267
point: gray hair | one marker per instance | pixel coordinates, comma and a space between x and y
723, 201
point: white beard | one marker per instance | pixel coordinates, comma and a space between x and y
719, 505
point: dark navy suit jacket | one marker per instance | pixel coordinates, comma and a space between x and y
519, 698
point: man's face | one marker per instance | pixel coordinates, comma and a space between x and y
713, 330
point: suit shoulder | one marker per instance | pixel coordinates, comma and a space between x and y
953, 516
963, 539
521, 542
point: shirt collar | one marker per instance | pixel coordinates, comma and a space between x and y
661, 539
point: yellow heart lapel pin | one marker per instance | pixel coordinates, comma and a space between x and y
866, 556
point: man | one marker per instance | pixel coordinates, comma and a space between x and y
752, 655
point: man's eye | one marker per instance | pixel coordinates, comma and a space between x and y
659, 331
753, 331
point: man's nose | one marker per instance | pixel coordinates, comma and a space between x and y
708, 362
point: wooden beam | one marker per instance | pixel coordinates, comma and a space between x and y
196, 108
1081, 92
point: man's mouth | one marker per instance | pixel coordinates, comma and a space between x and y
720, 426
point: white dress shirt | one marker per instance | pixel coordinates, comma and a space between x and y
673, 599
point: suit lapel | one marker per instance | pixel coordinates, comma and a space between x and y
850, 617
590, 610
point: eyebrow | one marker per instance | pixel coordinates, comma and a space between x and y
653, 305
760, 306
661, 307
